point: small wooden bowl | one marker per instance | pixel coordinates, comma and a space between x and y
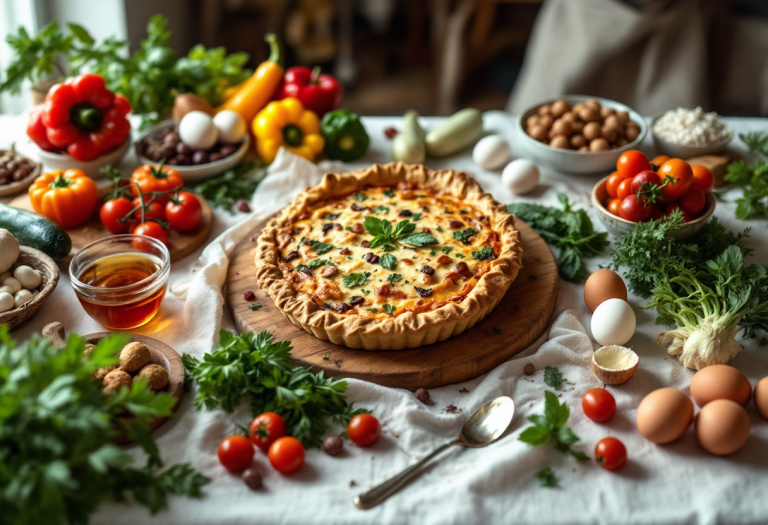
50, 272
6, 190
161, 354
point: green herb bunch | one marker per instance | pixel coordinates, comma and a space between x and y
231, 186
751, 180
255, 367
58, 457
571, 231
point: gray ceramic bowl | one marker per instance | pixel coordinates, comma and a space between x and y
569, 161
617, 226
680, 151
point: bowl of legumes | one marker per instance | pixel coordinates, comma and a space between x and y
685, 133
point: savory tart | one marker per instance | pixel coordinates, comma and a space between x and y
389, 257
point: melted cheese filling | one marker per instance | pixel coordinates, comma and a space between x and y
326, 252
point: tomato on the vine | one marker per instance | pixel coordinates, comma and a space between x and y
114, 210
612, 184
614, 207
364, 430
681, 177
236, 453
610, 453
153, 210
185, 215
266, 429
598, 405
703, 179
286, 455
150, 229
687, 217
634, 208
624, 189
645, 179
661, 159
693, 201
631, 163
156, 178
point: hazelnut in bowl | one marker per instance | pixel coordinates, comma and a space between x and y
580, 134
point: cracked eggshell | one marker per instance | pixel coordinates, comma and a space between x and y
491, 152
520, 176
614, 365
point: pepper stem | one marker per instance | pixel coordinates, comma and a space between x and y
315, 76
60, 182
85, 116
274, 49
293, 135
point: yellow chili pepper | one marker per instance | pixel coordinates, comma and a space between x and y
286, 123
259, 88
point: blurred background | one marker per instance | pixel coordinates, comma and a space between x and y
437, 56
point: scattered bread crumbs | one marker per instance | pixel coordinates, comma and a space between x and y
464, 391
453, 409
529, 369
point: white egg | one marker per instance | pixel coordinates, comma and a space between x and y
6, 302
22, 297
231, 126
197, 131
491, 152
613, 322
520, 176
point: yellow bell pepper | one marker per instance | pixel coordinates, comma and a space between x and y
286, 123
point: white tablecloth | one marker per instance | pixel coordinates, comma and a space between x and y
676, 483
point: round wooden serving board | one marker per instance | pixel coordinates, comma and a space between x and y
516, 322
179, 244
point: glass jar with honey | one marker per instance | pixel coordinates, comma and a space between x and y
121, 280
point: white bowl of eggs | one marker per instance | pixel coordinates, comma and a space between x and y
580, 134
201, 146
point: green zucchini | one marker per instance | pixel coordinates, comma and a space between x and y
34, 230
461, 130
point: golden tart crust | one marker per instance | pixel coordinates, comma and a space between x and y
406, 324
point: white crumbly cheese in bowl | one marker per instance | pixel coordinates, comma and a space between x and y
691, 127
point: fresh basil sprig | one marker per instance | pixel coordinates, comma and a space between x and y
387, 237
551, 428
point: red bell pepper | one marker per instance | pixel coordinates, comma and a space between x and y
317, 92
82, 117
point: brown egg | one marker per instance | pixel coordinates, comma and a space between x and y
621, 142
561, 127
560, 141
761, 397
623, 117
664, 415
532, 121
538, 132
578, 141
631, 132
589, 114
609, 134
592, 130
602, 285
569, 116
546, 121
599, 145
612, 121
720, 382
584, 148
593, 103
577, 126
560, 107
722, 427
546, 109
607, 111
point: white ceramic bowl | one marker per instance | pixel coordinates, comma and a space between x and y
570, 161
202, 171
58, 161
680, 151
617, 226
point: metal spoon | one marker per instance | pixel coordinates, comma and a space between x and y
482, 428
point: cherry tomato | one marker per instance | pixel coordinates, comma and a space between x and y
624, 189
631, 163
656, 213
646, 177
364, 430
114, 210
236, 453
614, 206
154, 210
598, 405
286, 455
680, 179
693, 201
187, 214
266, 429
612, 184
703, 179
633, 209
687, 217
150, 229
661, 159
610, 453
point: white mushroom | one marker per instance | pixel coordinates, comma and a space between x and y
22, 297
9, 250
28, 277
6, 302
13, 284
6, 289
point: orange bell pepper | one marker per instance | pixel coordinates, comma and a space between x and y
66, 197
259, 88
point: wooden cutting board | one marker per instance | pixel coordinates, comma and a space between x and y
516, 322
179, 244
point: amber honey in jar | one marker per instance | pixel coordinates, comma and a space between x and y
121, 283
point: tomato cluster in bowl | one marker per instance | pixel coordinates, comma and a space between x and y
642, 189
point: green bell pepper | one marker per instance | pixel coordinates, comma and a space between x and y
344, 134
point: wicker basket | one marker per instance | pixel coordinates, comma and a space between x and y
50, 272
